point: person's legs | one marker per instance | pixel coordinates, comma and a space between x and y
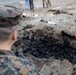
48, 3
31, 5
43, 4
27, 4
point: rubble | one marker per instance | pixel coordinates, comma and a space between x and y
57, 67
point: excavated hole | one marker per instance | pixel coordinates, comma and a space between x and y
45, 47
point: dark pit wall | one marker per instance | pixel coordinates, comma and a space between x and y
46, 46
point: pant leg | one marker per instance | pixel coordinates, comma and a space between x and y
31, 5
46, 3
27, 4
49, 2
43, 4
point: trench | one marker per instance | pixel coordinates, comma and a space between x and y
46, 47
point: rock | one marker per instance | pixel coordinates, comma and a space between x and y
48, 30
20, 33
50, 67
25, 33
28, 26
54, 11
57, 67
39, 32
38, 62
56, 73
43, 21
31, 35
74, 69
66, 68
74, 66
75, 20
57, 12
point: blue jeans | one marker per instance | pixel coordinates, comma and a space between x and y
27, 4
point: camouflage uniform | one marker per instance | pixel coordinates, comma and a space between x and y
12, 65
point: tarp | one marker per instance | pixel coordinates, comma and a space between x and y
15, 3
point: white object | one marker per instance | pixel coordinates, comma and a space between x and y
50, 22
36, 15
24, 14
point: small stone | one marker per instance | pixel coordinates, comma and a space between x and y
66, 68
39, 32
74, 69
30, 35
56, 73
74, 66
42, 20
71, 14
47, 30
57, 12
28, 26
38, 62
50, 67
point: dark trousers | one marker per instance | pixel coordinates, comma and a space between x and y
44, 3
31, 4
